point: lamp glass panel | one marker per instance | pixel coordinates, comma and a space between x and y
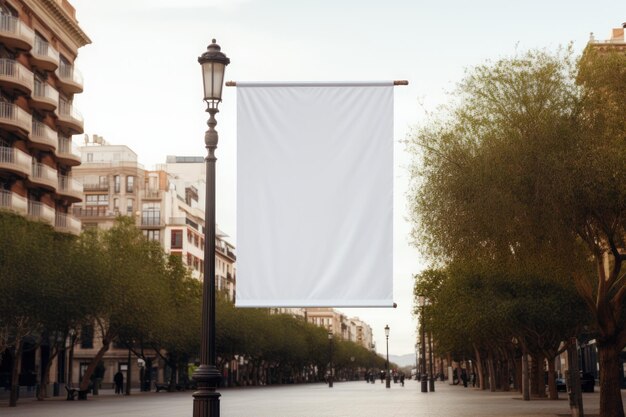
213, 77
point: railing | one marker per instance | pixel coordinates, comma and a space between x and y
43, 133
41, 211
45, 90
66, 223
45, 174
70, 74
150, 221
69, 184
13, 201
13, 25
152, 194
96, 187
66, 146
43, 48
16, 157
16, 115
92, 211
67, 110
13, 69
178, 221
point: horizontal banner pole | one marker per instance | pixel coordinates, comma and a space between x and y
316, 84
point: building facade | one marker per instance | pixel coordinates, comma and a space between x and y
165, 205
39, 42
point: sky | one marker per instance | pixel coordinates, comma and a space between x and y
143, 84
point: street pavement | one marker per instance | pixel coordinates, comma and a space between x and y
345, 399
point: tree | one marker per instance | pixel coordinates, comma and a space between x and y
528, 163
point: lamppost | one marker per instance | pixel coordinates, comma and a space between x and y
70, 360
330, 358
431, 385
206, 400
387, 378
424, 377
417, 364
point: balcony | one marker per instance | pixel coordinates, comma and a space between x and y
152, 194
70, 79
44, 56
15, 76
66, 223
43, 136
39, 211
149, 220
98, 212
15, 161
14, 119
70, 188
44, 176
44, 97
67, 152
15, 34
70, 118
14, 202
101, 186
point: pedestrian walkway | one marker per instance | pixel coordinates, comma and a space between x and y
345, 399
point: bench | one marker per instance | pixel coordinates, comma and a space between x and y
161, 387
72, 393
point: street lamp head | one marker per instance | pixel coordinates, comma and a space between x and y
213, 63
387, 330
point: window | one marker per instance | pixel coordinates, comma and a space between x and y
116, 183
151, 214
151, 234
86, 337
103, 180
130, 184
130, 204
177, 239
116, 204
89, 157
97, 199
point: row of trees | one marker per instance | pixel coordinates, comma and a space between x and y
129, 292
519, 201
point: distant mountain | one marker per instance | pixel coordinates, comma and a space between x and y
403, 360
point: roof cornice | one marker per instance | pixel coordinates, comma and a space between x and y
76, 33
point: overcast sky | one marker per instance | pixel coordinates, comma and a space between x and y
143, 84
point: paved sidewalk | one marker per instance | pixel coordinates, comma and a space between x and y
346, 399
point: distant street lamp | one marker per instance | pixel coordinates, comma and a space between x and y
424, 378
388, 378
330, 358
206, 400
431, 385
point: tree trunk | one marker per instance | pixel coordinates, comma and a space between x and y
554, 394
84, 384
610, 394
525, 377
492, 373
479, 367
45, 378
15, 374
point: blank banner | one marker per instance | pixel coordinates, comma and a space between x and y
315, 195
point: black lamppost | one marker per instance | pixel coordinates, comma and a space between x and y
424, 377
330, 358
206, 400
387, 378
431, 380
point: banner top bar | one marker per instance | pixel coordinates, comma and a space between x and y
314, 83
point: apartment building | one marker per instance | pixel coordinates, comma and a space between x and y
349, 329
39, 41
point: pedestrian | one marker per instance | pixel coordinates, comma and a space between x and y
402, 378
473, 378
464, 377
119, 382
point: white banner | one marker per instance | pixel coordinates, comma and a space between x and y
315, 194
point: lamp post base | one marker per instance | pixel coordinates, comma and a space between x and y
206, 404
424, 383
330, 382
431, 386
388, 381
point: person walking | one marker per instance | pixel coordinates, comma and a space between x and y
118, 379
